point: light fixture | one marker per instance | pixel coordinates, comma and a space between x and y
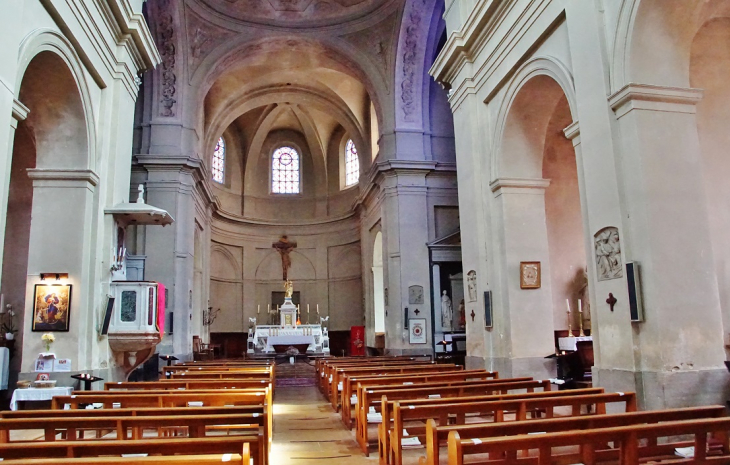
56, 276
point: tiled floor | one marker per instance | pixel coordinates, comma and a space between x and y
308, 431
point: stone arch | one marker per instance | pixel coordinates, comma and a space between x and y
544, 67
378, 284
224, 264
294, 95
269, 268
654, 38
33, 46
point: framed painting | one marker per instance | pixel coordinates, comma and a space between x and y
530, 275
51, 307
418, 331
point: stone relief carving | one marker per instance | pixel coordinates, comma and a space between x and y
410, 62
471, 285
415, 295
376, 42
202, 38
167, 52
608, 254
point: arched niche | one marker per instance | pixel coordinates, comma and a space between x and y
378, 285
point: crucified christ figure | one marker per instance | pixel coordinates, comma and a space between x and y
284, 247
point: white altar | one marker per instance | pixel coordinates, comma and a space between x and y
265, 337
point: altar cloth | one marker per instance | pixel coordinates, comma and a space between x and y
20, 395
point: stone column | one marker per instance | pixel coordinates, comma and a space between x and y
170, 249
63, 200
526, 324
19, 113
405, 211
680, 345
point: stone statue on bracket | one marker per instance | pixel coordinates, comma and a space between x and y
447, 312
471, 285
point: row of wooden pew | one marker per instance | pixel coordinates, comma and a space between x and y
474, 417
197, 413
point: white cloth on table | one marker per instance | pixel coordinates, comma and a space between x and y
20, 395
571, 343
4, 367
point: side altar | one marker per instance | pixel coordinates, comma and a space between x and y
263, 338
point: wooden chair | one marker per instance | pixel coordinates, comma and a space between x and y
200, 350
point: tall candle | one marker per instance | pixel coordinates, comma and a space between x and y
580, 306
567, 303
268, 308
307, 308
317, 309
258, 309
2, 304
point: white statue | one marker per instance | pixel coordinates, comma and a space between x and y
447, 313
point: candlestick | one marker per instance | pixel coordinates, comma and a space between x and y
570, 326
580, 323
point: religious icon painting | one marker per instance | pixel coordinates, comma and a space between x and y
51, 307
529, 275
418, 331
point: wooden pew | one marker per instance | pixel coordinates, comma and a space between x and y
330, 370
326, 367
386, 408
131, 427
223, 375
186, 446
321, 362
215, 459
436, 435
172, 399
174, 384
369, 397
457, 412
362, 371
251, 410
591, 444
349, 384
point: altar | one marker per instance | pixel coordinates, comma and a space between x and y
265, 337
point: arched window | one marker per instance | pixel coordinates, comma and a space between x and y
285, 171
352, 164
218, 167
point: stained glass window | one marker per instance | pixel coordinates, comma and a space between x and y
285, 171
352, 164
219, 161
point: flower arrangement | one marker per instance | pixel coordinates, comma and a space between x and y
47, 339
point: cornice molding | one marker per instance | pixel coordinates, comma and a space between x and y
20, 111
654, 98
572, 131
501, 184
51, 174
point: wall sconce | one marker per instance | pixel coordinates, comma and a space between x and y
56, 276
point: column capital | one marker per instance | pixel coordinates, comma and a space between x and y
654, 98
518, 186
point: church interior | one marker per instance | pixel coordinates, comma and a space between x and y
506, 215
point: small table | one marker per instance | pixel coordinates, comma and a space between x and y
37, 394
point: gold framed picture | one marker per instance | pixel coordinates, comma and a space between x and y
51, 307
529, 275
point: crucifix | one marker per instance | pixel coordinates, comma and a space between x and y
284, 247
611, 300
